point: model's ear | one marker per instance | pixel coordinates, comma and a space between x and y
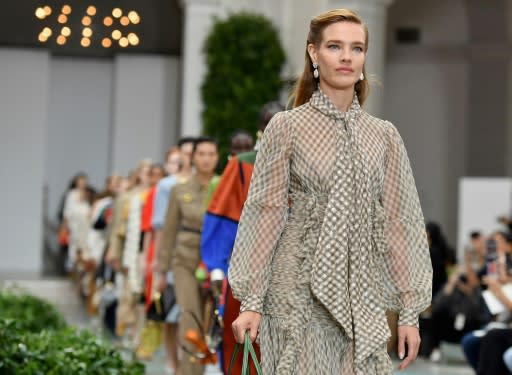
312, 53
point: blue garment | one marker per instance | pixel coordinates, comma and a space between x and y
217, 240
471, 346
163, 189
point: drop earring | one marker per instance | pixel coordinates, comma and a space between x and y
315, 71
361, 77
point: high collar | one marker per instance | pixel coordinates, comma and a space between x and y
323, 103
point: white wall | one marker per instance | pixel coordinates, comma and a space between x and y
427, 103
426, 96
61, 115
79, 122
23, 110
145, 111
442, 23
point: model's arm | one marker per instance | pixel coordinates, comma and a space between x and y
263, 217
167, 241
408, 267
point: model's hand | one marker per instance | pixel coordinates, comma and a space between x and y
409, 336
246, 321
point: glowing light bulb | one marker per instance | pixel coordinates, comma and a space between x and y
116, 35
87, 32
47, 32
61, 40
125, 21
91, 10
42, 37
66, 9
47, 10
133, 39
108, 21
117, 12
134, 16
85, 42
86, 21
106, 43
62, 18
66, 31
40, 13
123, 42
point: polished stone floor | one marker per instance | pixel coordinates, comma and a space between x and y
61, 293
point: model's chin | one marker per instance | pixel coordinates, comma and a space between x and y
341, 84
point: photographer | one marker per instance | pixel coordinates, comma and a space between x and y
458, 307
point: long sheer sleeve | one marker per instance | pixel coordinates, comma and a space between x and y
408, 268
263, 217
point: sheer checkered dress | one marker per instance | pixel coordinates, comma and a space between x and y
331, 235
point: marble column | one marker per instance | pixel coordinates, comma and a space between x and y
374, 14
198, 20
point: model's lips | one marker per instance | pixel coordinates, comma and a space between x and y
345, 70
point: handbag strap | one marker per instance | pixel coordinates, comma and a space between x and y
248, 349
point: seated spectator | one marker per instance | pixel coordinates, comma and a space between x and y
477, 344
458, 308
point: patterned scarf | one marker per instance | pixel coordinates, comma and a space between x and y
339, 276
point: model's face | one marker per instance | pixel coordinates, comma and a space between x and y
156, 175
340, 55
186, 154
81, 183
241, 143
173, 163
144, 174
206, 157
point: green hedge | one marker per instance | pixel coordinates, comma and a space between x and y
34, 339
244, 60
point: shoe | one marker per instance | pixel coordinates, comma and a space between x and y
435, 356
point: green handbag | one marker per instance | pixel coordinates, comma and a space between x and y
248, 349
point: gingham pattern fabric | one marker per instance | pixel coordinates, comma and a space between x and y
332, 227
132, 243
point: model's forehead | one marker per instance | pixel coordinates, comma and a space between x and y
345, 31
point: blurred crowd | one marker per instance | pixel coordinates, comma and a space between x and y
471, 301
149, 254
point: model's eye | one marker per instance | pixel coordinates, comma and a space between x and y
358, 49
333, 46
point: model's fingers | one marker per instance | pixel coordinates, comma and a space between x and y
405, 363
253, 332
401, 346
413, 346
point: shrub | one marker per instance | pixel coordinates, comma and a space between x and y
34, 339
244, 61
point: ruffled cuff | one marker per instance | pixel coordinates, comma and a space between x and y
252, 303
408, 317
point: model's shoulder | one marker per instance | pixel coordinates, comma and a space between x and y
376, 122
247, 157
301, 111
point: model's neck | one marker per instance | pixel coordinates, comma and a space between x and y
204, 177
342, 99
185, 172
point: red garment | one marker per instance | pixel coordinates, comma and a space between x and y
147, 227
147, 211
